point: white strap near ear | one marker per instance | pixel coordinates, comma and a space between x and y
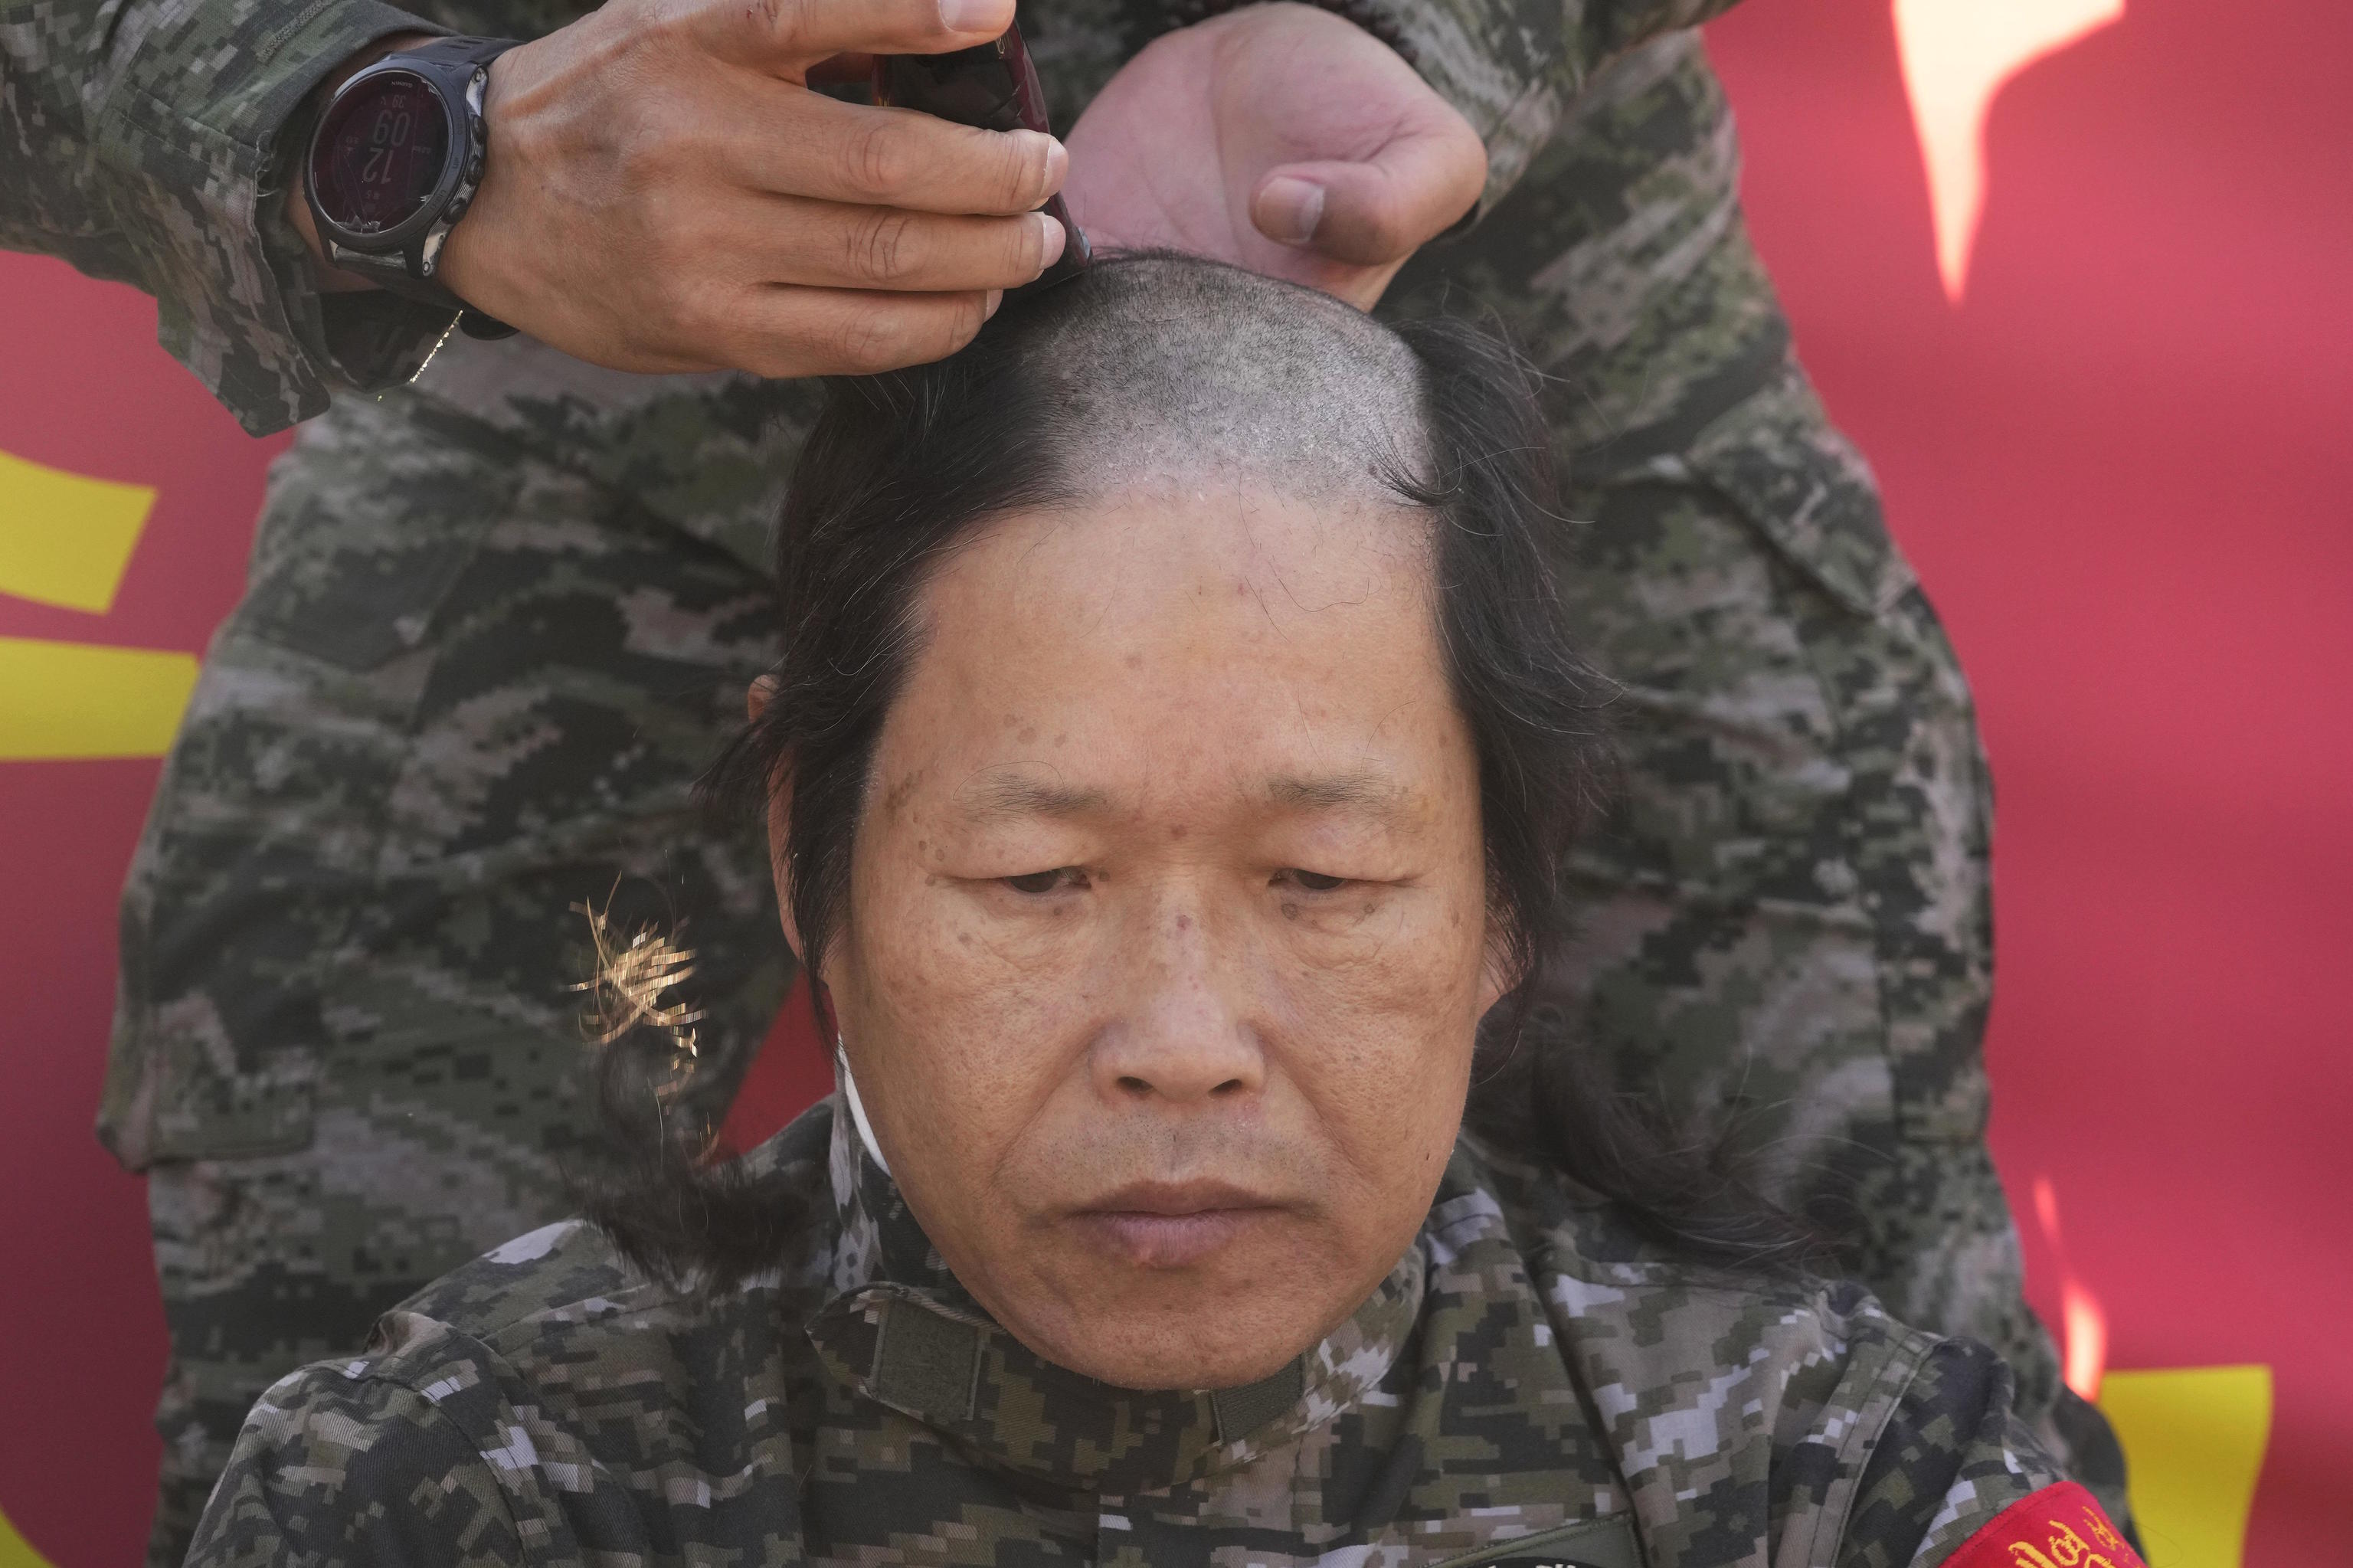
858, 1112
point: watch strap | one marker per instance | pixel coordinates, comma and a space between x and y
389, 271
455, 48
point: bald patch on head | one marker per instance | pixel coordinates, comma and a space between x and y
1170, 371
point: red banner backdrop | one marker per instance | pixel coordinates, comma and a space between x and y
2075, 274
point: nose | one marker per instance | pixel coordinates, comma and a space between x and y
1182, 1038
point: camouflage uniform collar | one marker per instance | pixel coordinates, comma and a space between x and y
901, 1331
879, 1238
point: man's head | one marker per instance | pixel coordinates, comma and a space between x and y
1173, 748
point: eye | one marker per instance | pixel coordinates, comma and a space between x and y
1311, 881
1039, 883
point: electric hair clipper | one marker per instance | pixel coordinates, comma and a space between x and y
995, 87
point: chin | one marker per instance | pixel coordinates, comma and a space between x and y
1153, 1333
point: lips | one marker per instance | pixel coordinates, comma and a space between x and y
1173, 1224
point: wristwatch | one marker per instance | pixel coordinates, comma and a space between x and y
393, 163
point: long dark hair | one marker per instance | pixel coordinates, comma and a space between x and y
902, 467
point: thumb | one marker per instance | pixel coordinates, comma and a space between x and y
1378, 210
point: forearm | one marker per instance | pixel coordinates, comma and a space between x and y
149, 144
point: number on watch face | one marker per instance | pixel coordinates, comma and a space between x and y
381, 152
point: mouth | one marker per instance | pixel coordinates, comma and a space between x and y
1173, 1224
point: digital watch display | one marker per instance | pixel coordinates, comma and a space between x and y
382, 154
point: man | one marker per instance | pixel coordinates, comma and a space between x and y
1172, 759
498, 618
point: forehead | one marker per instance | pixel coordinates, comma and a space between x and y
1184, 637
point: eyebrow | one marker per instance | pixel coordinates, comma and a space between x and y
1363, 791
1017, 797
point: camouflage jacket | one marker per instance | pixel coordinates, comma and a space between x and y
152, 140
1530, 1383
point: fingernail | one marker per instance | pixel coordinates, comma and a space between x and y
996, 298
1050, 240
969, 15
1291, 208
1043, 158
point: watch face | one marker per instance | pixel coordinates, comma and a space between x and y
380, 153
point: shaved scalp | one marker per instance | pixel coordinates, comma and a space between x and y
1167, 370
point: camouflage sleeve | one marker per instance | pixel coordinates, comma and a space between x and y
1512, 67
146, 141
336, 1465
1951, 1464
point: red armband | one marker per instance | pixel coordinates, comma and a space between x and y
2058, 1527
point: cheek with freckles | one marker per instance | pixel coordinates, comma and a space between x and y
1381, 1050
961, 1028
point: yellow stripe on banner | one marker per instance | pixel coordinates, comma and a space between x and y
66, 539
2193, 1440
16, 1551
61, 700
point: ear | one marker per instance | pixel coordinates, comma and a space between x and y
780, 818
780, 861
